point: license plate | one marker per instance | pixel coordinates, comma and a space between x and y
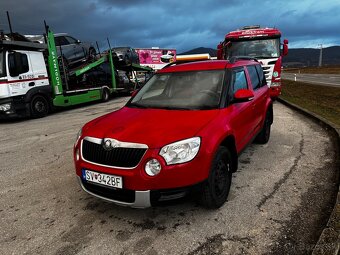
103, 179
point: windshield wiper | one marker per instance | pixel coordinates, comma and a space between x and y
135, 105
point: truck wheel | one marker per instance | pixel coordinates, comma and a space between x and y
105, 95
264, 135
216, 190
39, 107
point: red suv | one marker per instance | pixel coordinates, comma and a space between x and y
182, 132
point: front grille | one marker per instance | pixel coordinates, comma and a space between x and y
117, 157
122, 195
267, 69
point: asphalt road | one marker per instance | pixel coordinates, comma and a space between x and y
319, 79
280, 198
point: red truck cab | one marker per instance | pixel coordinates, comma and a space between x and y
182, 132
262, 43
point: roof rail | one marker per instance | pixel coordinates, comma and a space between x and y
183, 62
234, 59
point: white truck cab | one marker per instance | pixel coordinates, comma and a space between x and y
24, 83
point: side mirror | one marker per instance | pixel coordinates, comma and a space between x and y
133, 93
285, 47
78, 41
243, 95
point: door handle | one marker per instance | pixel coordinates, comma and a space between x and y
31, 84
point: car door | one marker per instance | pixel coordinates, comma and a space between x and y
21, 76
64, 48
78, 49
242, 119
260, 90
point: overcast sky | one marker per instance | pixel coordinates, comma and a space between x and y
179, 24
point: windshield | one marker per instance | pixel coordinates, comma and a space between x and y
2, 64
184, 90
267, 48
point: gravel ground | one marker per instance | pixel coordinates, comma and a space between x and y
280, 198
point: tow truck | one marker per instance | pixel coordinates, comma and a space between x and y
262, 44
34, 80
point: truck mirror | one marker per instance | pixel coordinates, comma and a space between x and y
285, 50
13, 64
285, 41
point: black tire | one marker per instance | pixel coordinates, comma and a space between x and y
105, 95
264, 135
92, 54
216, 189
39, 107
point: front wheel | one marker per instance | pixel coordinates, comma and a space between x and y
39, 107
216, 190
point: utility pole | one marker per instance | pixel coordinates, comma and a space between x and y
320, 57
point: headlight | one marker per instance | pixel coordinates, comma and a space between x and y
79, 135
182, 151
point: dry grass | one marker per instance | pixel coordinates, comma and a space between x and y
315, 70
322, 100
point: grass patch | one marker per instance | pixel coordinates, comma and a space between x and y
322, 100
318, 70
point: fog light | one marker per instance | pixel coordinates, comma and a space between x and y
5, 107
77, 154
153, 167
275, 84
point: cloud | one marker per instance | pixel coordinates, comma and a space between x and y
174, 24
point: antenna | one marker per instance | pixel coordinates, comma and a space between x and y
9, 23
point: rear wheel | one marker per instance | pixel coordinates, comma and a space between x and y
216, 190
39, 107
105, 95
264, 135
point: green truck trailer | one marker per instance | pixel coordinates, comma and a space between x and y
34, 79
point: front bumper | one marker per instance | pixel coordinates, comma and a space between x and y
138, 198
18, 108
275, 92
142, 198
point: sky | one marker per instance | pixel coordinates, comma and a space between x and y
178, 24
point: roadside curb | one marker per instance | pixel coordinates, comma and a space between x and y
329, 240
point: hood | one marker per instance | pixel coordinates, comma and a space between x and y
153, 127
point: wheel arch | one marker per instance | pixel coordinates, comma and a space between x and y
44, 91
229, 143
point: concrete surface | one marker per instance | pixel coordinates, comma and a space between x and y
329, 240
280, 199
318, 79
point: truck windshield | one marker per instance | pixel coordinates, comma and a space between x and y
2, 64
181, 90
265, 48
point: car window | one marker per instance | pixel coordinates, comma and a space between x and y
60, 41
262, 77
254, 77
239, 80
70, 39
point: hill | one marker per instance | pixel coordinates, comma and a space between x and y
295, 57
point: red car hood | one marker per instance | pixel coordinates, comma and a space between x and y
153, 127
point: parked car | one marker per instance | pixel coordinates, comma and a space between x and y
125, 55
72, 49
180, 134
